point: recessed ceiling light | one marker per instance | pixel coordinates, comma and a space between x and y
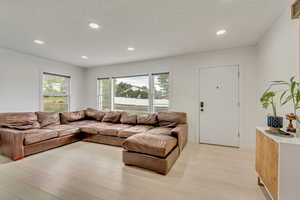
38, 41
84, 57
130, 48
94, 25
221, 32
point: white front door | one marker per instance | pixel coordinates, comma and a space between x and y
219, 105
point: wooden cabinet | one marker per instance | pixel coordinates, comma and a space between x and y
267, 163
278, 165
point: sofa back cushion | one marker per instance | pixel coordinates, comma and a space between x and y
48, 118
66, 117
128, 118
112, 116
21, 121
148, 119
91, 113
171, 119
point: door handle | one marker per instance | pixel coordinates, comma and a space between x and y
201, 106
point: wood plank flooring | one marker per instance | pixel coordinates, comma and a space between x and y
88, 171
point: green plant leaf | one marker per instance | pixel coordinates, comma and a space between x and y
292, 79
282, 95
265, 105
297, 96
278, 82
293, 85
267, 95
272, 94
288, 98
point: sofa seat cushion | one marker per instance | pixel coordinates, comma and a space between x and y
37, 135
125, 133
160, 130
83, 123
152, 144
104, 128
64, 130
113, 130
94, 128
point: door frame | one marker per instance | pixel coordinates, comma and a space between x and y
238, 99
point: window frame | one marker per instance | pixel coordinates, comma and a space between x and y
98, 92
67, 77
151, 89
130, 76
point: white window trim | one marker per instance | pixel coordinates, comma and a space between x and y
151, 89
151, 93
42, 73
170, 88
111, 88
98, 92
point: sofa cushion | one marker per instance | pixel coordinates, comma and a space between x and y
148, 119
104, 128
37, 135
112, 116
21, 121
151, 144
63, 129
82, 123
48, 118
67, 117
134, 130
160, 130
128, 118
91, 113
112, 130
171, 119
94, 128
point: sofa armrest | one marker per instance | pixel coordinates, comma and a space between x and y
181, 132
12, 143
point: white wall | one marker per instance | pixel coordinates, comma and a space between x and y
184, 83
20, 81
275, 57
278, 57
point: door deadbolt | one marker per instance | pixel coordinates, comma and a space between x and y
201, 106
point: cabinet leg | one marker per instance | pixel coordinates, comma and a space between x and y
259, 182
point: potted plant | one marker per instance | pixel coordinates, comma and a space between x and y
291, 93
267, 99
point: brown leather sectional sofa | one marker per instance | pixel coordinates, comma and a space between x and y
151, 141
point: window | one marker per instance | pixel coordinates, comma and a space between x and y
104, 94
136, 94
55, 92
131, 94
161, 92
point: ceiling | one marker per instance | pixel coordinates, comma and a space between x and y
156, 28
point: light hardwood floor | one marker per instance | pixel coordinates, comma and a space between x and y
88, 171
